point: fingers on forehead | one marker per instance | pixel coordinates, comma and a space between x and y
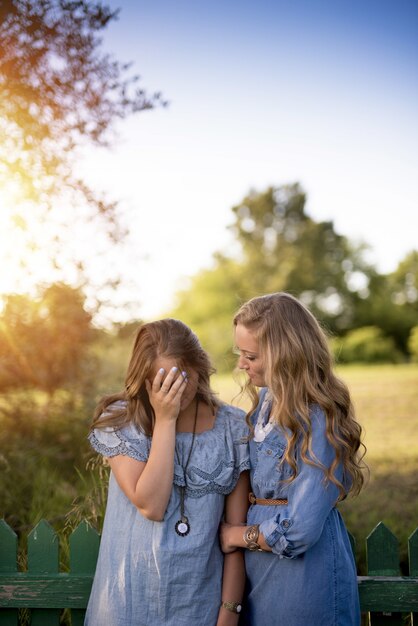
159, 377
171, 375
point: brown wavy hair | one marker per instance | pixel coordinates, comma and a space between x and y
163, 338
298, 370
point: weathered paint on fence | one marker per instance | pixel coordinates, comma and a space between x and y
387, 596
43, 588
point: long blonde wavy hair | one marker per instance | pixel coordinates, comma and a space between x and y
163, 338
298, 371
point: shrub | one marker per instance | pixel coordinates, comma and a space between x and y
366, 345
413, 344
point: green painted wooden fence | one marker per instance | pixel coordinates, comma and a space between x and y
43, 588
388, 598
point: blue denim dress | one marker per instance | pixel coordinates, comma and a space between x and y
146, 574
310, 577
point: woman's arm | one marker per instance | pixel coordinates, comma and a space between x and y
233, 581
297, 526
232, 538
148, 485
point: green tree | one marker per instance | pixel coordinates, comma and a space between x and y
44, 342
60, 92
392, 304
413, 344
208, 304
282, 249
366, 345
286, 250
403, 282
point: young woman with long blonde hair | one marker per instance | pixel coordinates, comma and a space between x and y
305, 453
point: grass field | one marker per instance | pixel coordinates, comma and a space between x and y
386, 402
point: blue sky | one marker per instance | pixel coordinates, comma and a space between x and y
266, 93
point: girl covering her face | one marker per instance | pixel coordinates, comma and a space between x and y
177, 457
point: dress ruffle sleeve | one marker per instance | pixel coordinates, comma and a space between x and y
128, 441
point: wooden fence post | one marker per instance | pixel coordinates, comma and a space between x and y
413, 561
383, 560
84, 548
8, 565
43, 558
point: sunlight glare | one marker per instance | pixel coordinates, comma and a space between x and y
24, 263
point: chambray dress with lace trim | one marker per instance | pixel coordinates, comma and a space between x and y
146, 574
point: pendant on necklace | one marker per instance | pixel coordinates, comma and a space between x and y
182, 527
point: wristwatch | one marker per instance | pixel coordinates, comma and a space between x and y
235, 607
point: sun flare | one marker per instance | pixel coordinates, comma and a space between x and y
24, 261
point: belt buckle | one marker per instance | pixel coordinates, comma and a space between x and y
252, 498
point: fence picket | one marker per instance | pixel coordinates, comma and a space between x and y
383, 560
84, 548
43, 558
8, 564
413, 562
382, 552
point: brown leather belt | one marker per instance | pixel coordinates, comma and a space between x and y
265, 501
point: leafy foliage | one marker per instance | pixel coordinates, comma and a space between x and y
413, 344
42, 441
282, 249
207, 306
44, 342
404, 281
366, 345
286, 250
392, 302
58, 91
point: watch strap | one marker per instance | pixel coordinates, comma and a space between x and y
234, 607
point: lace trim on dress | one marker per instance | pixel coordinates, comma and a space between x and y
121, 448
128, 441
212, 486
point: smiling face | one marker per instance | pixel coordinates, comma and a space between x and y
249, 358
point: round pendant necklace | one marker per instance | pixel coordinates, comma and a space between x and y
261, 430
183, 526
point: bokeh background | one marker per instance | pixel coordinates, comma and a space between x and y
247, 148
